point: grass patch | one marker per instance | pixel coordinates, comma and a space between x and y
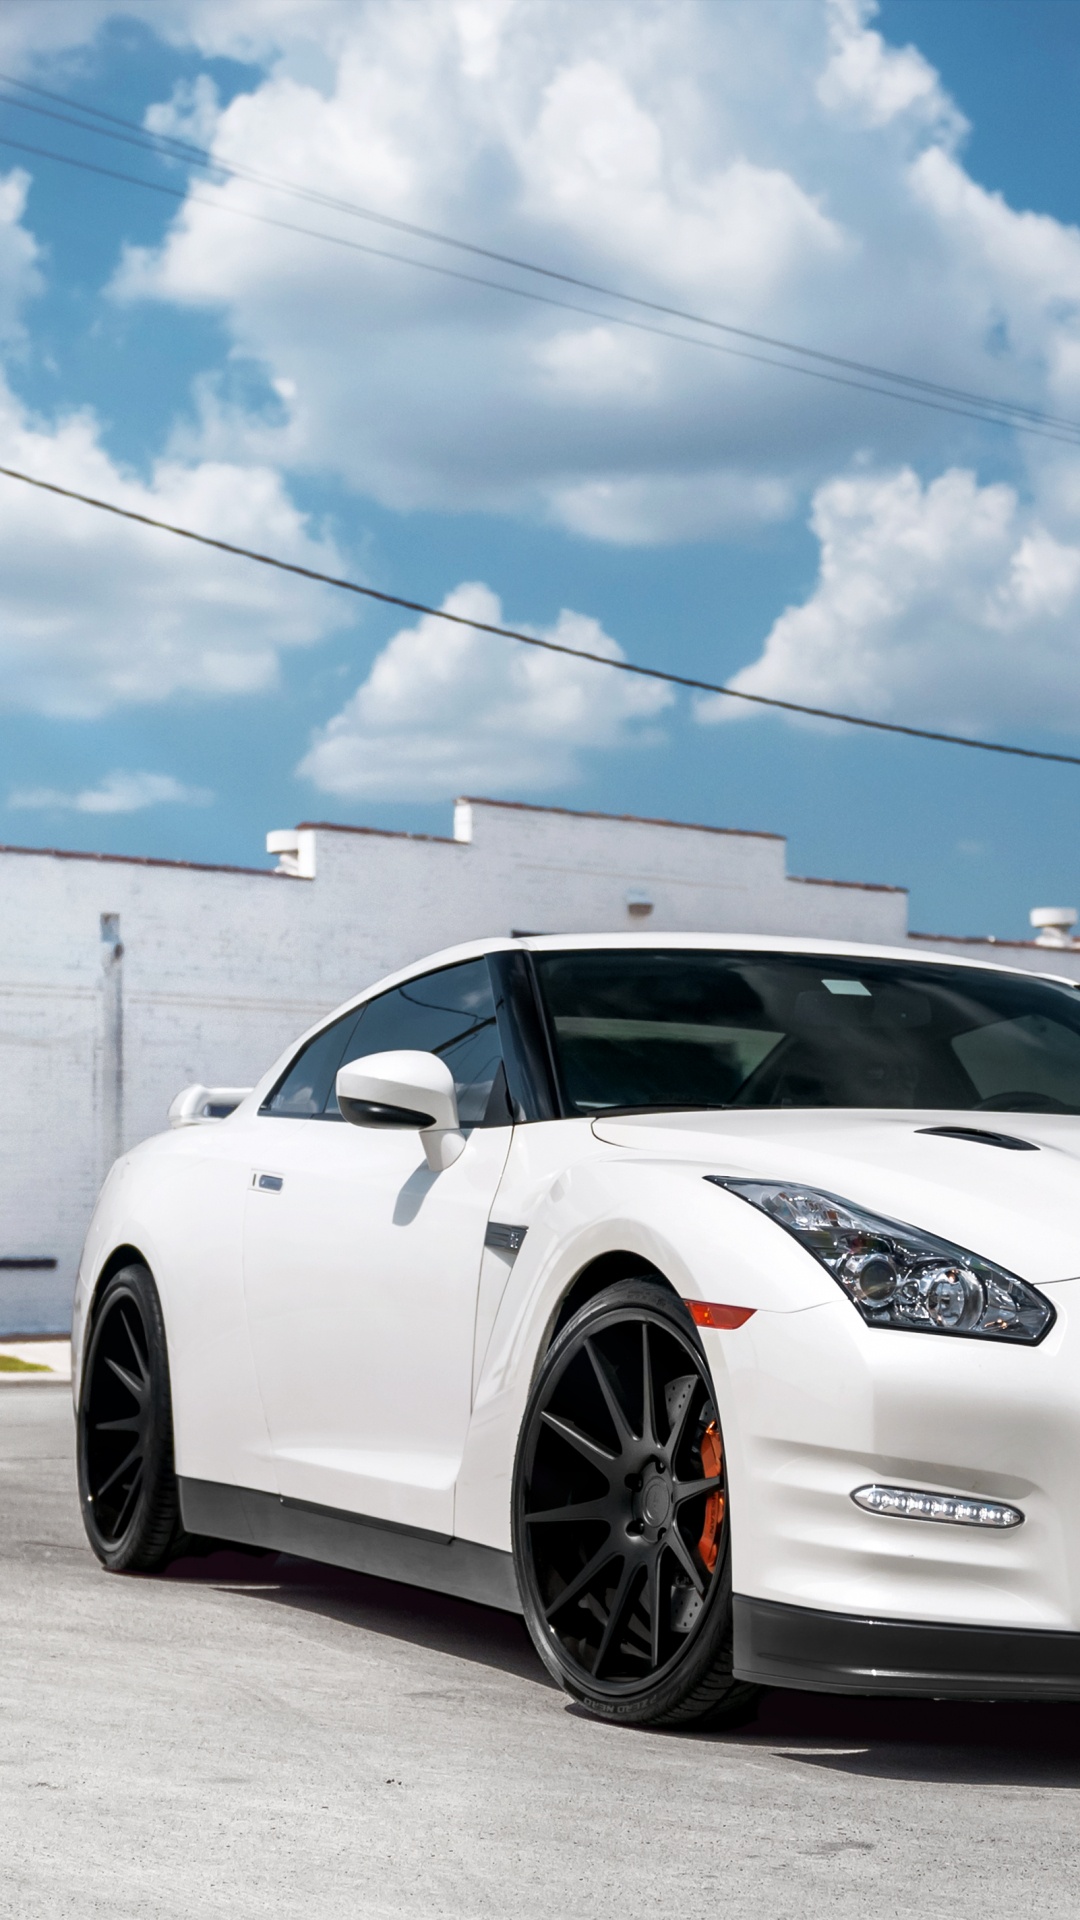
9, 1364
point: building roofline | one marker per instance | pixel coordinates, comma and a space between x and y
146, 860
989, 940
863, 886
378, 833
632, 819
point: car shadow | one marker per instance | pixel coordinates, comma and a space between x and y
947, 1742
413, 1615
969, 1743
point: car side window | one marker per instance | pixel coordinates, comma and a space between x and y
303, 1092
450, 1013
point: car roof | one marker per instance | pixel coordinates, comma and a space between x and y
764, 943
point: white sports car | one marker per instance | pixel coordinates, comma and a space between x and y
706, 1300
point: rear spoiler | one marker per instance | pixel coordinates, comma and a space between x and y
197, 1104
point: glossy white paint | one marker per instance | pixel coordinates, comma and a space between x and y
415, 1082
361, 1273
345, 1338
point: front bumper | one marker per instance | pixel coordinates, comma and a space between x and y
785, 1646
814, 1404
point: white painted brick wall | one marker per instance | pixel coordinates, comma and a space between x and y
222, 968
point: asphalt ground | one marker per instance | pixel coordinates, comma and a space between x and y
245, 1738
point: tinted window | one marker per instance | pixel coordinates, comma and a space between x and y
1030, 1052
451, 1013
671, 1028
306, 1087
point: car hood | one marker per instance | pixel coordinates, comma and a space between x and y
1021, 1209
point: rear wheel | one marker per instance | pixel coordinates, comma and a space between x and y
621, 1527
127, 1482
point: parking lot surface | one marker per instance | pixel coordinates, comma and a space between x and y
260, 1737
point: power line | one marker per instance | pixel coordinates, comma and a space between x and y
987, 407
532, 639
1070, 438
170, 147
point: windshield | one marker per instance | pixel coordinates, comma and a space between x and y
685, 1028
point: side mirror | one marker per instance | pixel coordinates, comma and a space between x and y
405, 1089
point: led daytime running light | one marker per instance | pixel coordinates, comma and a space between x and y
907, 1503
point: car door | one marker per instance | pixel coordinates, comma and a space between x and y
361, 1264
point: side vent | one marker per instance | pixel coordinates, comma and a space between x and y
504, 1239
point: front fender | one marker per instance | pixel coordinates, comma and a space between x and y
707, 1243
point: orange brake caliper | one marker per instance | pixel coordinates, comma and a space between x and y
712, 1456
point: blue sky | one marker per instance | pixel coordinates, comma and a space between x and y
865, 183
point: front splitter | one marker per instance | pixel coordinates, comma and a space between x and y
803, 1648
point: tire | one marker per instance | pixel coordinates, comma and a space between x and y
127, 1482
621, 1530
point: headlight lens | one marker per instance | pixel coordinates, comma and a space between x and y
899, 1276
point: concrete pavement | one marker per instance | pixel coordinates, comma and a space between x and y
251, 1738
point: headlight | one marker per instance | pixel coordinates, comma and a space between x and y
898, 1276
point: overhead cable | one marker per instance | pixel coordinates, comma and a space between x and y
987, 407
1068, 438
532, 639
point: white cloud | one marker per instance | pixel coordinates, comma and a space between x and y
876, 82
445, 709
190, 114
97, 613
775, 163
117, 793
649, 145
778, 166
20, 272
946, 605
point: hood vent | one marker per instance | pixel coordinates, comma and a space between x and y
982, 1137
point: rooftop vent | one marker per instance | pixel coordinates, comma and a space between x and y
1054, 925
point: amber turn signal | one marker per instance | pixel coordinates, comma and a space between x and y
706, 1313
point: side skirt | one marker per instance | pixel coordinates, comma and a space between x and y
380, 1547
785, 1646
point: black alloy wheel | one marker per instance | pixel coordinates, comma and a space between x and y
127, 1483
621, 1528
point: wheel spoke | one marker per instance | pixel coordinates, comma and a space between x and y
688, 1382
615, 1614
590, 1450
682, 1553
601, 1558
648, 1408
140, 1357
690, 1489
652, 1592
134, 1425
623, 1429
135, 1454
129, 1501
577, 1510
135, 1387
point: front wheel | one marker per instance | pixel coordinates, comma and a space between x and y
621, 1527
127, 1482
